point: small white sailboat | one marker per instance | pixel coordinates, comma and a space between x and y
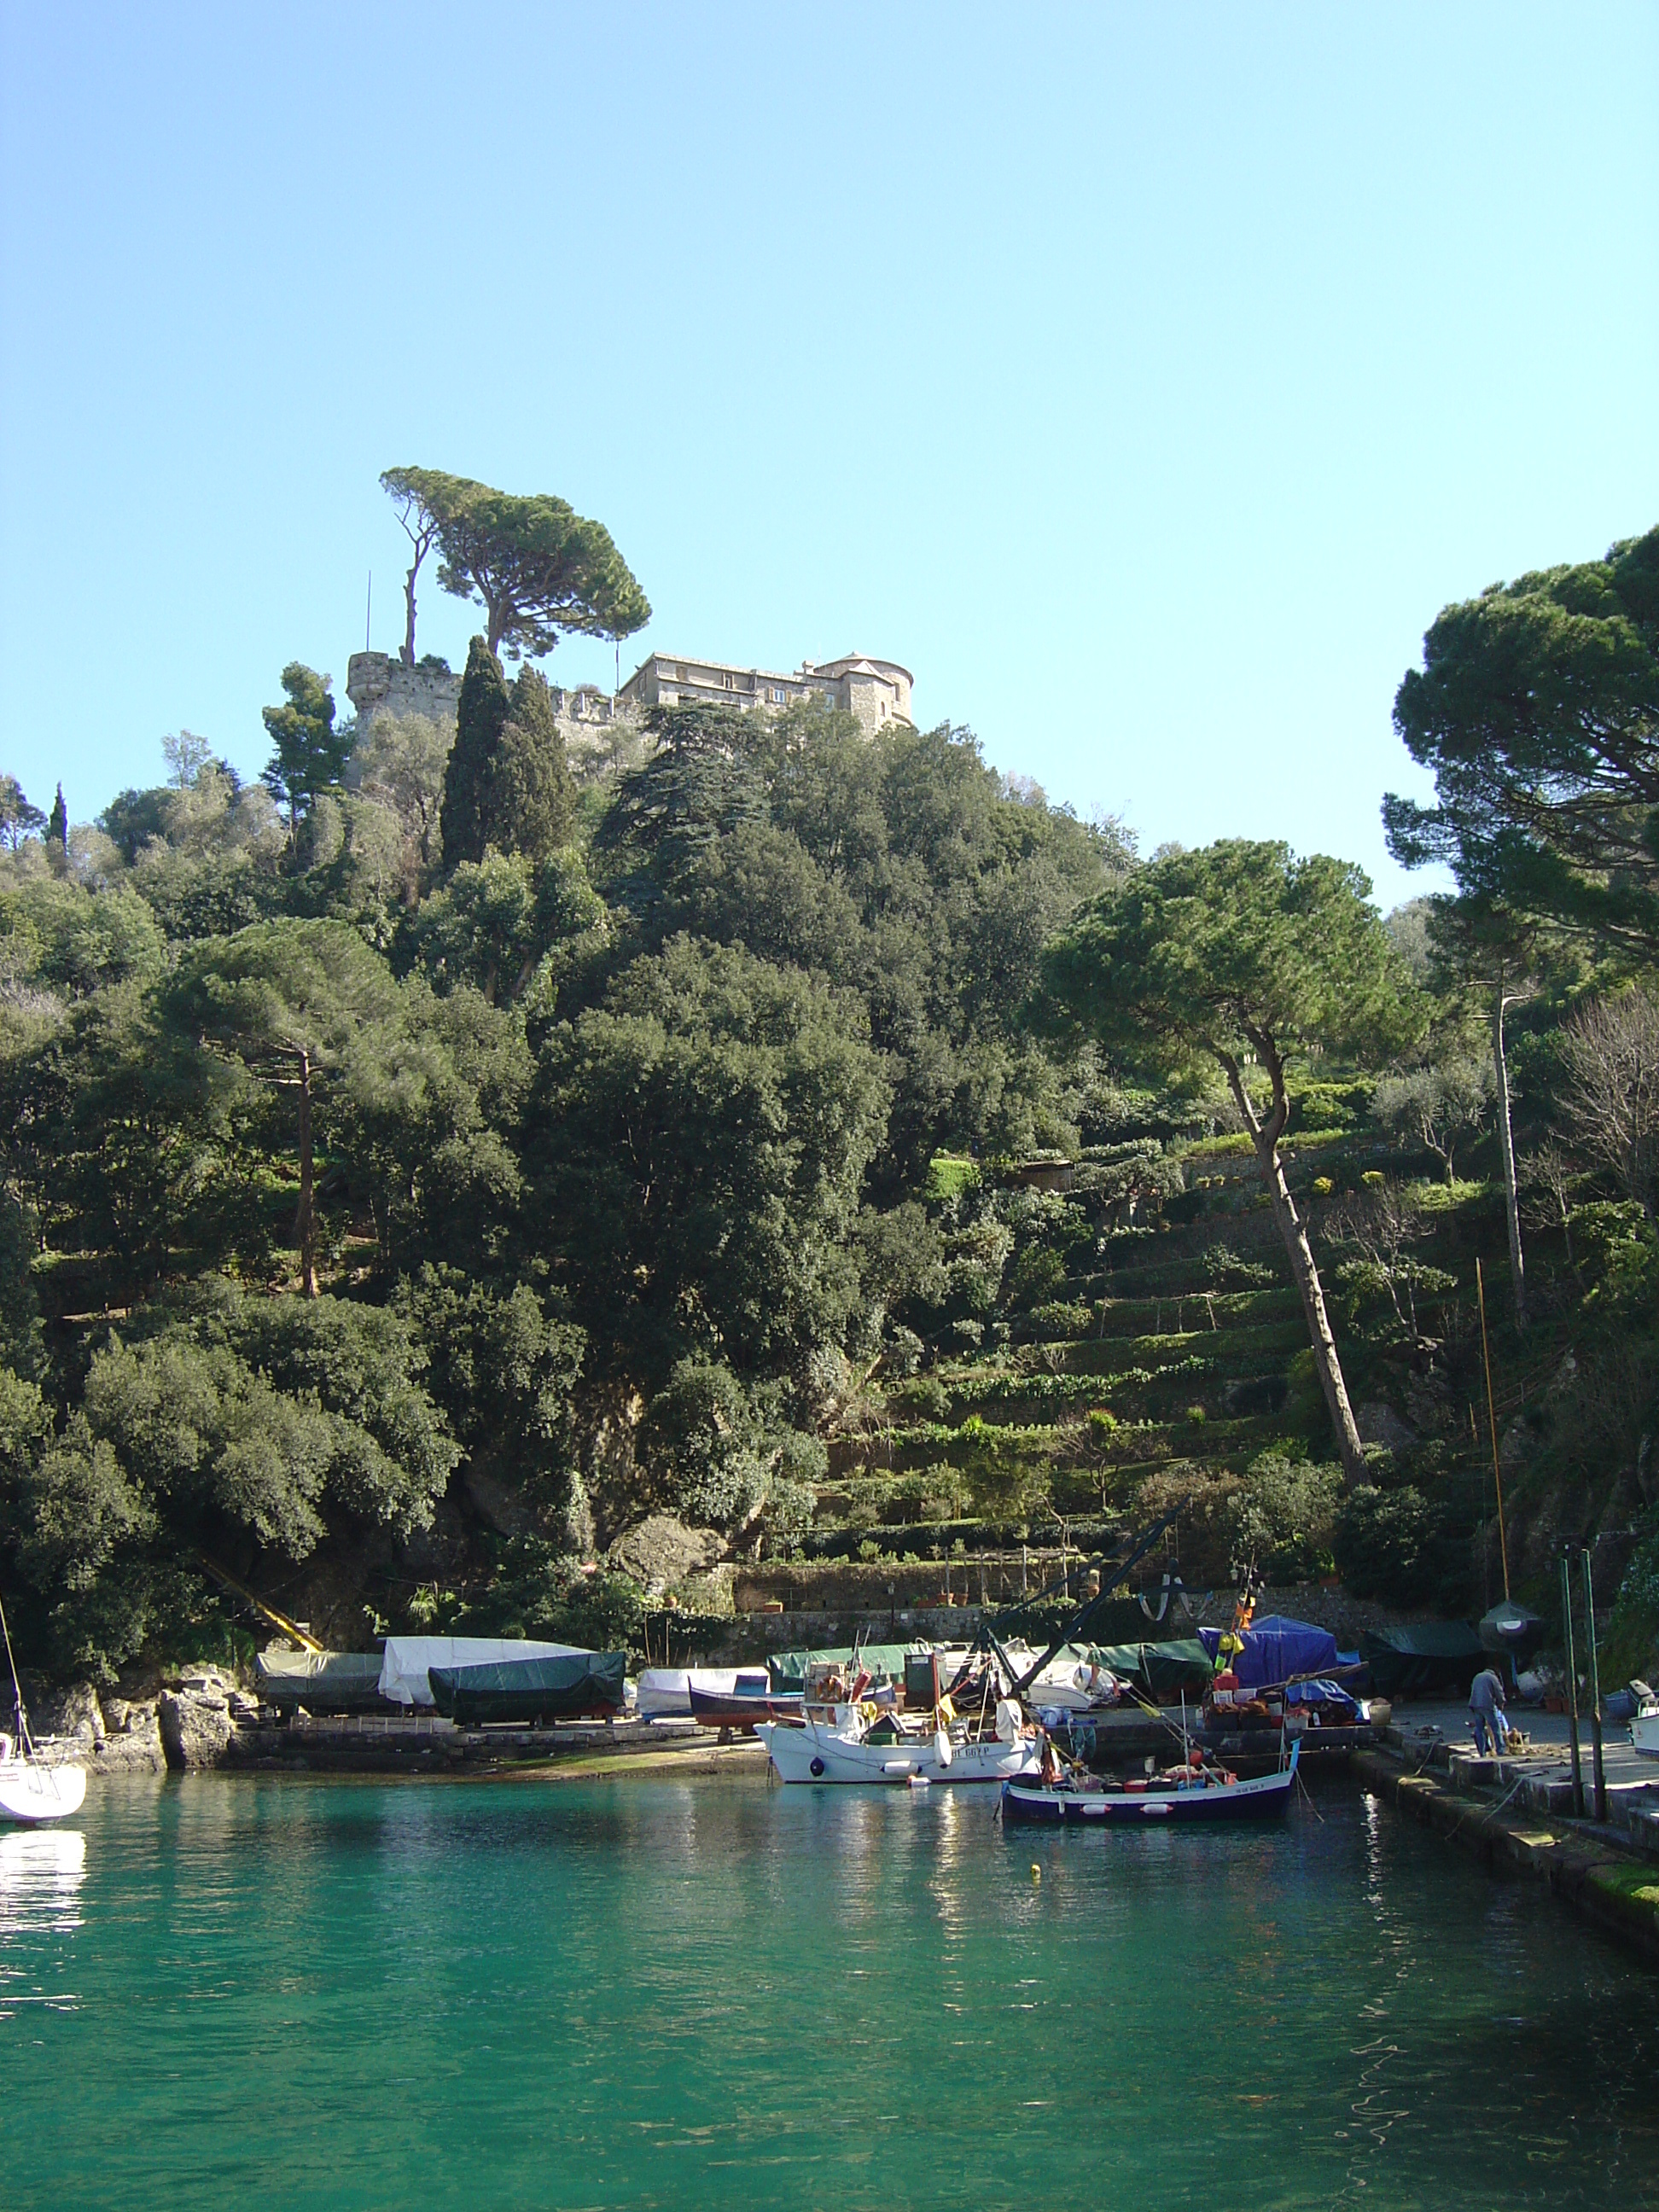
32, 1789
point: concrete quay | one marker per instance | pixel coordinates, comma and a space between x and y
1515, 1814
427, 1744
1537, 1774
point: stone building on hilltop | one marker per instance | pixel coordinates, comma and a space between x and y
876, 691
600, 730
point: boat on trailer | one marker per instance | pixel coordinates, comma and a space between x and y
531, 1693
1194, 1792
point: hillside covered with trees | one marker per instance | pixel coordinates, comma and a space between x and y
421, 1166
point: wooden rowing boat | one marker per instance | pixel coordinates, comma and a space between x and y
1205, 1796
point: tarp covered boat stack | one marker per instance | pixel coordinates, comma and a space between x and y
473, 1679
321, 1681
565, 1686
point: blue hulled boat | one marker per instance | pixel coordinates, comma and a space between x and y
1202, 1794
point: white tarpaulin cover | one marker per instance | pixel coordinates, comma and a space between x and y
664, 1692
403, 1669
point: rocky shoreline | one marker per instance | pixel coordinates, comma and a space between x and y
188, 1722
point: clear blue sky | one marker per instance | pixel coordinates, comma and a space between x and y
1145, 379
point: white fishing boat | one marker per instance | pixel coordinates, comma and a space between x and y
842, 1750
33, 1789
1644, 1724
844, 1736
663, 1693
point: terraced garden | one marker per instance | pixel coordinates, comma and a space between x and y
1123, 1362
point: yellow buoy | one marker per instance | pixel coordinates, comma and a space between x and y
1037, 1874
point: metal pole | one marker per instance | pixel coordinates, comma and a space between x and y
368, 609
1572, 1690
1596, 1692
1491, 1417
1506, 1148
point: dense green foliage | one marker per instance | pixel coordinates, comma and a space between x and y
592, 1147
412, 1198
1537, 710
308, 752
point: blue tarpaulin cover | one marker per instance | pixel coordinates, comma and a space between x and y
1277, 1650
1320, 1693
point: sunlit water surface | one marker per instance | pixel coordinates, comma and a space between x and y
308, 1994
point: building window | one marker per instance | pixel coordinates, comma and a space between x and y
680, 672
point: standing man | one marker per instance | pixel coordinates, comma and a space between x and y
1487, 1719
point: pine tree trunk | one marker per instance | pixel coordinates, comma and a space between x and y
306, 1223
1506, 1151
1303, 1266
408, 654
1326, 1364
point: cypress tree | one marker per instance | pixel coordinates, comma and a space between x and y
57, 824
530, 800
481, 715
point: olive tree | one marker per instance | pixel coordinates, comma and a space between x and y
1241, 956
1611, 1051
1438, 1105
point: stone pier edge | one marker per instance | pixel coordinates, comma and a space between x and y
1617, 1890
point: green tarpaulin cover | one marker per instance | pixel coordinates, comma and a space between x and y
321, 1681
1422, 1656
551, 1689
1160, 1669
787, 1670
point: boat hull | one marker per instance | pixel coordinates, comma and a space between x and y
1264, 1798
1645, 1734
796, 1750
30, 1793
718, 1709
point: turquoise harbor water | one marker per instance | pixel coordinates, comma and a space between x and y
316, 1994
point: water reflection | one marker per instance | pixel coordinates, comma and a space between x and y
671, 1991
41, 1871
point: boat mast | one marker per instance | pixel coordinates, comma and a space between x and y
24, 1744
